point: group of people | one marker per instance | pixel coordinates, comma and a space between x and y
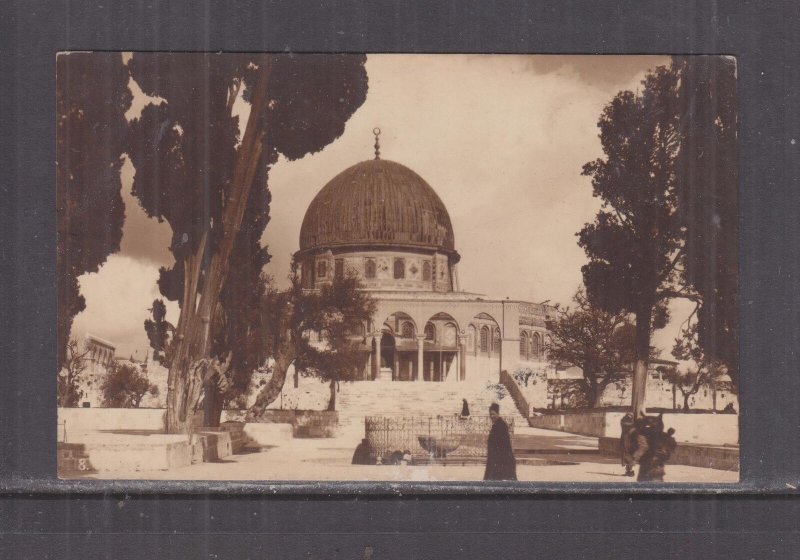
644, 441
363, 456
500, 461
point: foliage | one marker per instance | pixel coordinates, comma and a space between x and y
337, 312
525, 376
568, 393
700, 370
69, 377
500, 391
707, 182
124, 387
597, 341
218, 206
158, 331
290, 317
92, 97
634, 243
668, 226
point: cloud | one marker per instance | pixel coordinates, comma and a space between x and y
501, 138
501, 145
143, 238
118, 297
597, 70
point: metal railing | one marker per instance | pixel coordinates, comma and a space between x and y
432, 437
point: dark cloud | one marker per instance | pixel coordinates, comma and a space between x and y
597, 70
143, 238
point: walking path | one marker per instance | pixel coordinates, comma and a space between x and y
542, 456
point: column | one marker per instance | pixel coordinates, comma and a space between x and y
420, 360
375, 356
462, 358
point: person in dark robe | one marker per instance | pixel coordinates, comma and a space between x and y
500, 461
392, 457
627, 442
654, 447
464, 408
363, 453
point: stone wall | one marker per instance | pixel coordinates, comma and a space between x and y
706, 456
716, 429
89, 419
305, 423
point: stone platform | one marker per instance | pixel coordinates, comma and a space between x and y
120, 450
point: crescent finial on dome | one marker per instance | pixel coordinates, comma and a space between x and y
377, 132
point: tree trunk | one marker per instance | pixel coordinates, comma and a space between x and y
591, 393
273, 388
332, 401
643, 318
714, 397
190, 362
686, 400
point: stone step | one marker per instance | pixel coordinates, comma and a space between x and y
73, 460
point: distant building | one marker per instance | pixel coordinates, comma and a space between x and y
100, 358
101, 352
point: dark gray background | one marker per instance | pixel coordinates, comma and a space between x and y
45, 522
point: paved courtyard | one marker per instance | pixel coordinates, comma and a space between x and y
543, 456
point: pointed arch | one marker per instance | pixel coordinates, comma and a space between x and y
524, 353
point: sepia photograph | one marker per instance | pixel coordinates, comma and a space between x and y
397, 268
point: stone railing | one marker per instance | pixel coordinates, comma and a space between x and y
430, 437
516, 393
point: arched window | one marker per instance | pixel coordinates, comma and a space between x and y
308, 274
450, 336
322, 269
496, 341
369, 268
430, 332
536, 346
399, 269
523, 346
471, 338
485, 339
407, 330
359, 330
426, 271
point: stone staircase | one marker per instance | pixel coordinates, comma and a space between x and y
358, 400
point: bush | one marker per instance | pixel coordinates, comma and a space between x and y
124, 387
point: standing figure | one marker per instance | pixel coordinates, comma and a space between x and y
654, 447
464, 408
500, 461
627, 443
363, 454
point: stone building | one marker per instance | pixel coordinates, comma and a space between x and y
384, 223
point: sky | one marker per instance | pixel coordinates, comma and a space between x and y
501, 139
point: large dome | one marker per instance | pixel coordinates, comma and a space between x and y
377, 203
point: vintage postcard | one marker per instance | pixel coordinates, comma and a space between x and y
308, 267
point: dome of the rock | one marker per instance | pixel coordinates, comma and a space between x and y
377, 203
